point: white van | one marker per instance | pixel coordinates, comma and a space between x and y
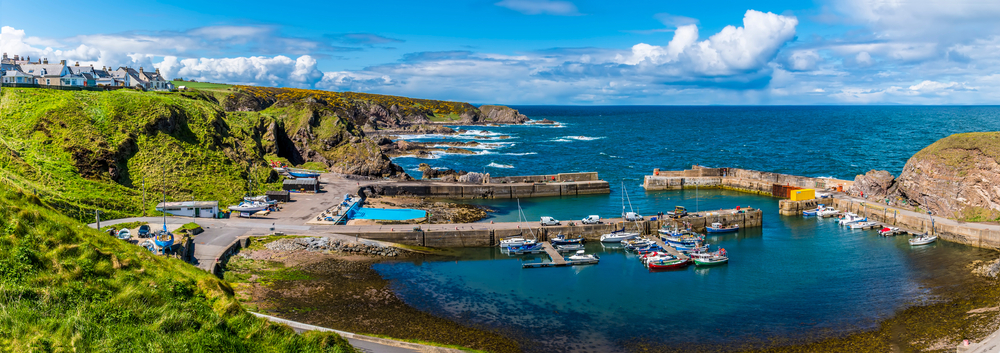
632, 216
592, 219
549, 221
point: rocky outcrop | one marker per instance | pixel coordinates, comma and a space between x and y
956, 177
431, 173
498, 114
877, 184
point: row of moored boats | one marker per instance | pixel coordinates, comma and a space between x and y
854, 221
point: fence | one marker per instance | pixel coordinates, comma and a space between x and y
64, 88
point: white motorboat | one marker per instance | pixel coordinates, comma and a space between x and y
827, 212
923, 239
580, 256
618, 236
249, 206
569, 247
863, 225
849, 218
516, 241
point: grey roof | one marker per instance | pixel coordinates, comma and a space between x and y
189, 204
14, 73
301, 181
54, 70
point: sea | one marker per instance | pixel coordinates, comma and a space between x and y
793, 280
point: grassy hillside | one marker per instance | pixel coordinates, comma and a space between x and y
66, 287
83, 151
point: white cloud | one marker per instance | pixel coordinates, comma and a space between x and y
539, 7
271, 71
731, 51
804, 60
928, 86
863, 59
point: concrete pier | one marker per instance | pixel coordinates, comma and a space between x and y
670, 250
745, 180
486, 234
566, 184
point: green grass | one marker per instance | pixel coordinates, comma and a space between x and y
128, 225
67, 287
186, 227
201, 85
239, 269
63, 146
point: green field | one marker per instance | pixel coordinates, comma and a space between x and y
202, 85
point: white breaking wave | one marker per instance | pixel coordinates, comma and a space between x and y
561, 140
520, 154
504, 166
582, 138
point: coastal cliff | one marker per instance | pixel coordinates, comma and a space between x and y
956, 177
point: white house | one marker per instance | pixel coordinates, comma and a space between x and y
198, 209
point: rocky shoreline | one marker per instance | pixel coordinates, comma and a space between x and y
332, 286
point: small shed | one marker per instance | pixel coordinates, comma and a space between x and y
301, 184
280, 196
197, 209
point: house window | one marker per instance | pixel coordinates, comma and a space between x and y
47, 81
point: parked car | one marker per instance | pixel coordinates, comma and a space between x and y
678, 212
144, 231
549, 221
632, 216
592, 219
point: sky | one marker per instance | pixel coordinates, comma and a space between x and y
561, 52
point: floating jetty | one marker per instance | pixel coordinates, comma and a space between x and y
557, 259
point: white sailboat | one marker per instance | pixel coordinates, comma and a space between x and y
618, 235
520, 239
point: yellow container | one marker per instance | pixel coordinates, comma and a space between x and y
802, 194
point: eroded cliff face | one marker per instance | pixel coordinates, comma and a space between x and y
956, 177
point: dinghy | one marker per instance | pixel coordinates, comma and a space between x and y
124, 234
863, 225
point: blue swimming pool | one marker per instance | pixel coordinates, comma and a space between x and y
386, 214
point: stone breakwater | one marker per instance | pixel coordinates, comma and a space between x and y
319, 244
745, 180
566, 184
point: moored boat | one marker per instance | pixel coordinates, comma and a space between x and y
863, 225
828, 212
923, 239
848, 218
719, 228
562, 240
617, 236
581, 257
667, 264
710, 259
568, 247
515, 241
890, 231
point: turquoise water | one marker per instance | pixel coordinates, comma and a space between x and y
793, 278
798, 278
389, 214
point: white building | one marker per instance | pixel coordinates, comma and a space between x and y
199, 209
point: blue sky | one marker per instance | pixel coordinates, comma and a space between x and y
544, 51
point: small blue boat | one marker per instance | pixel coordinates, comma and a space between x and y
527, 248
303, 175
164, 239
719, 228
